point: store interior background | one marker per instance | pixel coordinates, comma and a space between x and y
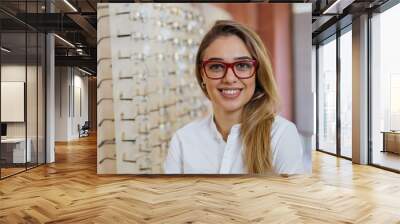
66, 66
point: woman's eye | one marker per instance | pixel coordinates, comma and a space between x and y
216, 67
243, 66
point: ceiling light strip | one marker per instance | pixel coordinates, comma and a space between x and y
70, 5
84, 71
65, 41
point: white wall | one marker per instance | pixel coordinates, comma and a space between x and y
79, 117
69, 82
62, 81
33, 126
304, 88
12, 73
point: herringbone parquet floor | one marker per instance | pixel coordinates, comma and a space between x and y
69, 191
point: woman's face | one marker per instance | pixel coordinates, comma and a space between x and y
230, 93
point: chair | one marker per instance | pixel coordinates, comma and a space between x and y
84, 130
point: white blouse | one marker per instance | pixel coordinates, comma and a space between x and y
198, 148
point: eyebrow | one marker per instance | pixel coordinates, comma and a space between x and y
237, 58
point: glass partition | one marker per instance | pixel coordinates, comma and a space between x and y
13, 103
22, 88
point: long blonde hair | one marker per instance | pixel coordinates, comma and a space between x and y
259, 113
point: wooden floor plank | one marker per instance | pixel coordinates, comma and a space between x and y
70, 191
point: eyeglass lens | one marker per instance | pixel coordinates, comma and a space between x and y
242, 69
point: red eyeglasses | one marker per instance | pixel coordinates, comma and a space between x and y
243, 69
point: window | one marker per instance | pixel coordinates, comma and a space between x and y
385, 89
327, 97
346, 94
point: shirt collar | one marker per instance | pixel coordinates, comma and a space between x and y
235, 129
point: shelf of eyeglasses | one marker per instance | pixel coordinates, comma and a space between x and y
186, 13
143, 40
157, 154
139, 92
106, 158
171, 111
103, 59
143, 125
156, 86
102, 11
104, 72
132, 157
142, 12
106, 133
103, 39
139, 164
160, 132
143, 74
149, 94
140, 41
107, 153
131, 114
144, 142
151, 39
172, 24
132, 72
105, 117
103, 35
141, 104
161, 97
157, 25
105, 89
135, 57
144, 94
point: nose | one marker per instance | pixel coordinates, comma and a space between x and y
230, 76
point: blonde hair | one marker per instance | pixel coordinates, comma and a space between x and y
259, 113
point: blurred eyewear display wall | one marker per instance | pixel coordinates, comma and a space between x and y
146, 85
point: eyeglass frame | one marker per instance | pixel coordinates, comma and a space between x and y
230, 65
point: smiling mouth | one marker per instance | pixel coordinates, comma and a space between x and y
230, 92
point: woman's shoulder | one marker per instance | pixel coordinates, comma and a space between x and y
287, 147
196, 125
281, 125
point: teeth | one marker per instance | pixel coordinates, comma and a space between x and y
230, 91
